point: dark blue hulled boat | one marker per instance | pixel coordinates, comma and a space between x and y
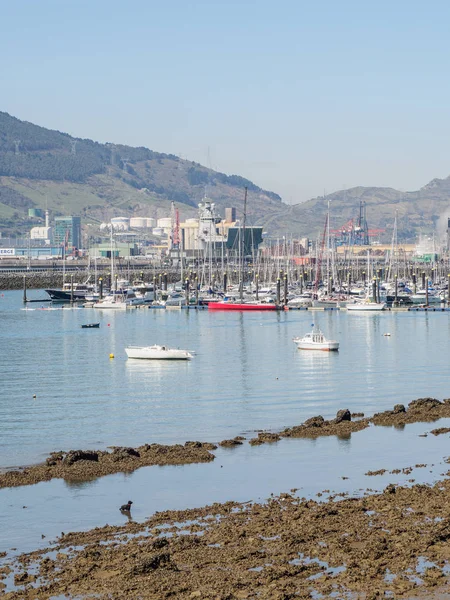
91, 326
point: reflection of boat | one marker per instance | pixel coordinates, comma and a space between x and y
157, 353
315, 340
90, 326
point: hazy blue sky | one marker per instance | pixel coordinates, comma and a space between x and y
298, 96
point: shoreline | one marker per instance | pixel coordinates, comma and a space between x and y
395, 541
84, 465
360, 546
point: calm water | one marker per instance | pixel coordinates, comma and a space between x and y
247, 374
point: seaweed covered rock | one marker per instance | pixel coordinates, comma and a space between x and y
74, 456
265, 437
424, 404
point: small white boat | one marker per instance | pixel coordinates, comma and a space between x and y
157, 353
315, 340
366, 305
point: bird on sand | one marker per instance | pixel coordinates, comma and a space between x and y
126, 507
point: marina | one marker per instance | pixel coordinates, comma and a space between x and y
73, 377
82, 392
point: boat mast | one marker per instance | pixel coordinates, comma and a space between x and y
328, 244
112, 257
242, 250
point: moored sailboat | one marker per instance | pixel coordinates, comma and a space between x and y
241, 304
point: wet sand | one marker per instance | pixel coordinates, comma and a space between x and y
285, 548
394, 542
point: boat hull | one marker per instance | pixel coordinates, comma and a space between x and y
315, 340
366, 307
109, 305
329, 347
157, 353
240, 306
64, 296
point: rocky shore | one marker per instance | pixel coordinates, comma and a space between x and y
394, 544
77, 465
391, 544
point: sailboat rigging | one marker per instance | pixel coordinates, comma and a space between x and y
231, 304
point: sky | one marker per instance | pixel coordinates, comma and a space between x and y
301, 97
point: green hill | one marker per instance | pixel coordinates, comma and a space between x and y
42, 168
49, 169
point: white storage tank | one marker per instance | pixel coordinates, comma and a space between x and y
41, 233
120, 223
165, 223
138, 222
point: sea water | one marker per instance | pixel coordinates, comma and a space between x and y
61, 389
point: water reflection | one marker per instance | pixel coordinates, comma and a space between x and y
247, 374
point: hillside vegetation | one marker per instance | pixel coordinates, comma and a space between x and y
49, 169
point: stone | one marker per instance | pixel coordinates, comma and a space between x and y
343, 415
74, 456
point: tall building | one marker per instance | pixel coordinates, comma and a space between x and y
67, 232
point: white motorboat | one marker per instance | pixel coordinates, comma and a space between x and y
366, 305
315, 340
112, 301
157, 353
120, 300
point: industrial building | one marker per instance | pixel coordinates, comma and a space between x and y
67, 233
119, 250
42, 233
212, 235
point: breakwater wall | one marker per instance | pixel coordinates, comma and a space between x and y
15, 281
55, 279
38, 277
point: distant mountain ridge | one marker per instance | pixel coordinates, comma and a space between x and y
43, 168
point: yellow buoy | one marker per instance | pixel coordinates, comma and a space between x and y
111, 356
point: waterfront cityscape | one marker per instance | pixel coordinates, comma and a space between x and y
224, 301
